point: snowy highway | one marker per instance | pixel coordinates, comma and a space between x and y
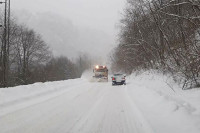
80, 106
88, 108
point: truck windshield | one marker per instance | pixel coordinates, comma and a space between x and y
100, 70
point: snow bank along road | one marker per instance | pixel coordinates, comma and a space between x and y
80, 106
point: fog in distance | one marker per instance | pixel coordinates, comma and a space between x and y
72, 27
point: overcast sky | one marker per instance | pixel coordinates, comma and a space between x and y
100, 15
97, 14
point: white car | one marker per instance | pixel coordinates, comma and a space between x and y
118, 79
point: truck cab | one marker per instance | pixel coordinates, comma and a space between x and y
100, 73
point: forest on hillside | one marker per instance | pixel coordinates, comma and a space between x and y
163, 35
26, 58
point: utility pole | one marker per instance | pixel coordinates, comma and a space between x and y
5, 48
8, 27
8, 41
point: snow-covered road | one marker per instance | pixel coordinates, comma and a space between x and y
80, 106
87, 108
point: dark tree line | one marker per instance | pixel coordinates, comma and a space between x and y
161, 34
30, 60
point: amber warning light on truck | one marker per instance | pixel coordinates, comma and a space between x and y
97, 67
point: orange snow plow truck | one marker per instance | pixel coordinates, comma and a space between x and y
100, 73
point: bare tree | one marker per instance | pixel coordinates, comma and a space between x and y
161, 34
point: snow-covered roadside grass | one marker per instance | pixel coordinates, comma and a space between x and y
15, 98
8, 95
167, 107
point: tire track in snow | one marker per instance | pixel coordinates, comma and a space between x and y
141, 121
84, 118
112, 113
